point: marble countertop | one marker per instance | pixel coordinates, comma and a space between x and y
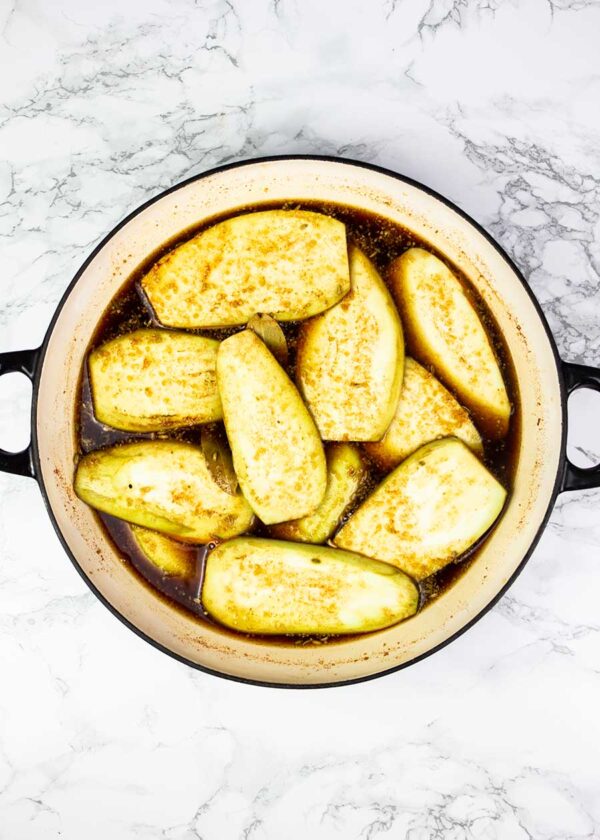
491, 102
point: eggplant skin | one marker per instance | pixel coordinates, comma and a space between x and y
426, 411
277, 452
428, 511
162, 485
445, 333
351, 359
346, 472
154, 380
290, 264
263, 586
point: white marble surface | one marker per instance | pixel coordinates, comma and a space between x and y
492, 102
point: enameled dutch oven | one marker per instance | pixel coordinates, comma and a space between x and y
544, 383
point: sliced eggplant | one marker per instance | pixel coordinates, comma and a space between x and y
162, 485
169, 556
277, 453
270, 586
444, 332
426, 411
153, 380
428, 512
350, 359
346, 472
290, 264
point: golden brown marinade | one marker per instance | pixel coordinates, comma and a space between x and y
382, 242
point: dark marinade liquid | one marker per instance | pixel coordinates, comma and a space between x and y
382, 241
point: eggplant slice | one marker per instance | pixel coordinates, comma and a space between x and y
155, 380
351, 358
428, 511
270, 586
426, 411
277, 453
170, 557
444, 332
290, 264
346, 472
163, 485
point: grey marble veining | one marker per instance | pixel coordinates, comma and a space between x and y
491, 102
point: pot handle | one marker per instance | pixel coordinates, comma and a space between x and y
580, 376
18, 361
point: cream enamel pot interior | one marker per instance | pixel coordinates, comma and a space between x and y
544, 383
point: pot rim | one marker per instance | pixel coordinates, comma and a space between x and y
37, 472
